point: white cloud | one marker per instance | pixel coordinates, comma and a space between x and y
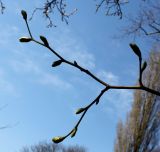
108, 77
5, 85
48, 79
8, 34
26, 65
118, 102
72, 48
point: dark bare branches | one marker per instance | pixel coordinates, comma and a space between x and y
147, 22
2, 7
51, 147
62, 60
50, 7
112, 7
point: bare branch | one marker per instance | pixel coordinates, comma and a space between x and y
2, 7
112, 7
74, 64
147, 22
50, 7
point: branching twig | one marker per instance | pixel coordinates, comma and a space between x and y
113, 7
2, 7
50, 7
74, 64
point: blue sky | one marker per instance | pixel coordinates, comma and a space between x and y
40, 101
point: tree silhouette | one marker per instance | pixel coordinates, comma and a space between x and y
146, 22
2, 7
51, 147
140, 132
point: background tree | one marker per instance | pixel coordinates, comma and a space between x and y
146, 22
51, 147
2, 7
140, 132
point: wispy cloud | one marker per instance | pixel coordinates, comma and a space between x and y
108, 77
27, 65
72, 48
117, 102
5, 85
53, 80
8, 33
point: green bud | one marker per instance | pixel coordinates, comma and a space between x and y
56, 63
136, 50
80, 110
44, 40
144, 66
58, 139
25, 39
24, 14
73, 132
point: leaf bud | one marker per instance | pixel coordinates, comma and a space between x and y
73, 133
80, 110
44, 40
25, 39
58, 139
136, 50
56, 63
24, 14
144, 66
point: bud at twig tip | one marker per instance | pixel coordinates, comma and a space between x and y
44, 40
24, 14
80, 110
25, 39
136, 49
58, 139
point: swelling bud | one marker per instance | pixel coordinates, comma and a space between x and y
73, 133
80, 110
58, 139
136, 50
44, 40
24, 14
25, 39
56, 63
144, 66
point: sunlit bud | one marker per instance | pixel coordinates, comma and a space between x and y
80, 110
58, 139
74, 132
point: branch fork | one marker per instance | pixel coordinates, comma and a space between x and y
82, 111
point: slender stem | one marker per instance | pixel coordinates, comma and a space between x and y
107, 86
28, 29
72, 64
126, 87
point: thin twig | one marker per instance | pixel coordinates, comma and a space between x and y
74, 64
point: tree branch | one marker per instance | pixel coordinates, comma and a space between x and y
74, 64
